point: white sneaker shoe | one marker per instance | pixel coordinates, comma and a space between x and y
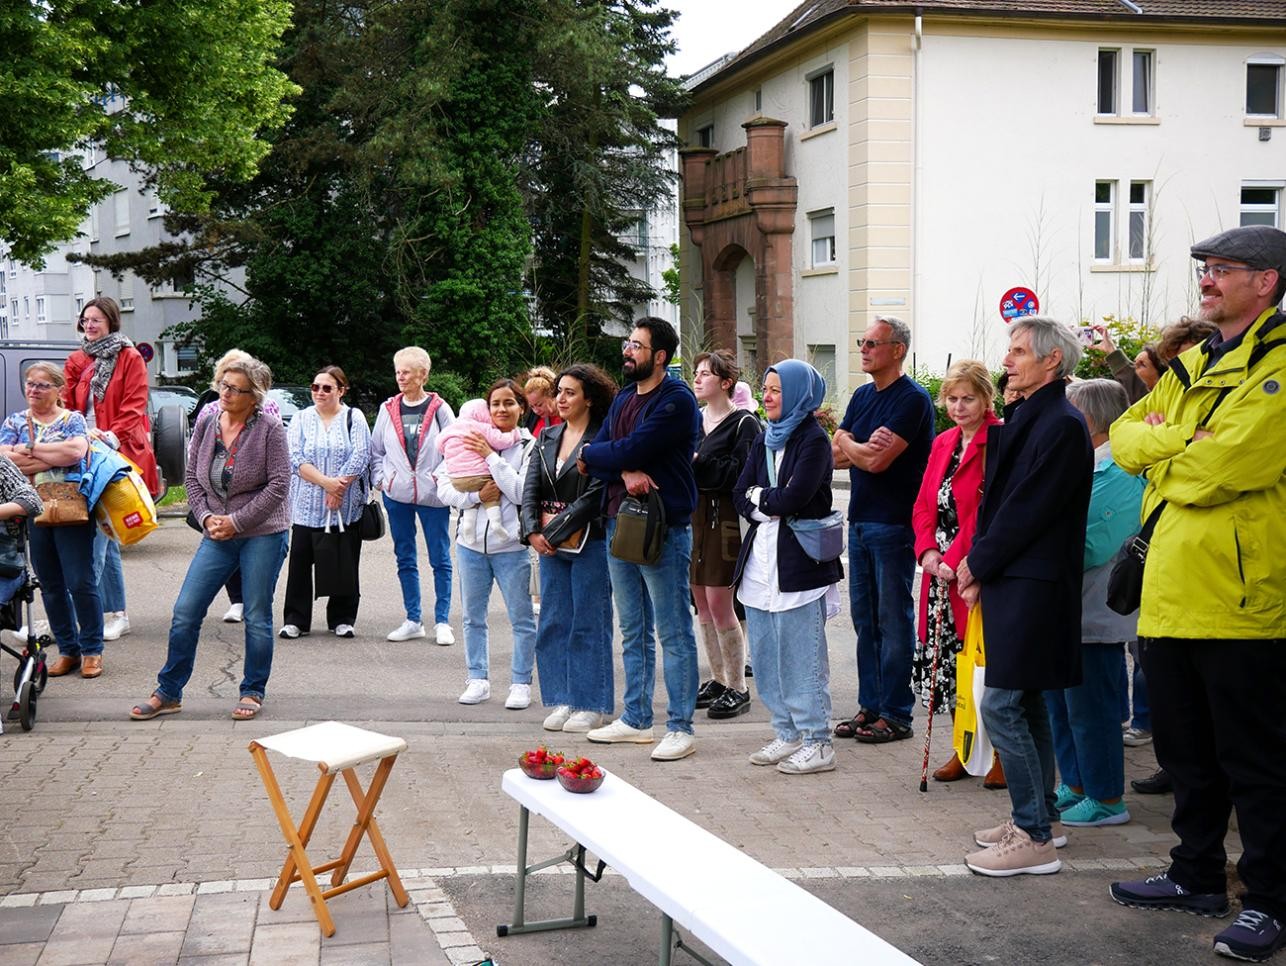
444, 635
775, 751
345, 630
115, 626
675, 745
289, 630
408, 631
817, 756
583, 722
479, 690
991, 836
555, 720
235, 614
618, 731
535, 607
519, 697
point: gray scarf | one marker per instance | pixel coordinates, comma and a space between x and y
104, 351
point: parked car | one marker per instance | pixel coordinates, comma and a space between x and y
291, 399
161, 396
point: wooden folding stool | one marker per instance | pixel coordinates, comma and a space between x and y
336, 749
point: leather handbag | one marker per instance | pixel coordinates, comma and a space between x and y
640, 529
65, 505
572, 543
372, 525
1125, 582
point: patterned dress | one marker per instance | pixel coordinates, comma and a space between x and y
944, 684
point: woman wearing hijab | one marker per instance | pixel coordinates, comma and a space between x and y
787, 594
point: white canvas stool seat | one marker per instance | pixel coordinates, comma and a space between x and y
336, 749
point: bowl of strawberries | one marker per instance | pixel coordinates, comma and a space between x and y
581, 776
541, 764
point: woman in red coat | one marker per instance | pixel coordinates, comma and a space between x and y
107, 381
944, 518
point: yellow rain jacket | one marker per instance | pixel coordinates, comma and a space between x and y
1216, 567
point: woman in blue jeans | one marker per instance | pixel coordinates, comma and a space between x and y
562, 520
787, 594
238, 482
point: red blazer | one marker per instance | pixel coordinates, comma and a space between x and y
123, 409
966, 487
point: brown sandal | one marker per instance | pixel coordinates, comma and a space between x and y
246, 709
849, 728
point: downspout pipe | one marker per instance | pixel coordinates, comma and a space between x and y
916, 44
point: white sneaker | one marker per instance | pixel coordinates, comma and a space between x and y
817, 756
991, 836
444, 635
535, 607
289, 630
555, 720
619, 731
519, 697
345, 630
408, 631
775, 751
479, 690
675, 745
115, 626
583, 722
235, 614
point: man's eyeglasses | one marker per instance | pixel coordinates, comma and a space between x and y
322, 388
629, 345
872, 343
225, 387
39, 386
1220, 272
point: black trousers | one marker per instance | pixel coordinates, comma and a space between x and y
1219, 728
299, 581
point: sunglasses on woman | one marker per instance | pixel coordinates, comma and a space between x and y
322, 388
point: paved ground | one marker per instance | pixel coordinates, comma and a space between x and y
154, 842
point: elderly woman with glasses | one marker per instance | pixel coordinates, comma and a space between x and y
238, 483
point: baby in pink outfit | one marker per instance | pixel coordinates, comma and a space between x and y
468, 471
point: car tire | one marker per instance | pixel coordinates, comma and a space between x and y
170, 443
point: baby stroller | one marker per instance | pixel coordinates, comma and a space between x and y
17, 593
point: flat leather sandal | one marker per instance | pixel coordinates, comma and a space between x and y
146, 711
883, 731
849, 728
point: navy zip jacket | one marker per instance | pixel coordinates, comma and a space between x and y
661, 445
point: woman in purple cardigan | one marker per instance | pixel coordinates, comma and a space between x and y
238, 481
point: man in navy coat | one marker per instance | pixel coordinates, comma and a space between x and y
1025, 567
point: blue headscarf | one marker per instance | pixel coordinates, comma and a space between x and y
802, 392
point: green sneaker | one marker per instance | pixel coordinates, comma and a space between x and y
1064, 797
1090, 812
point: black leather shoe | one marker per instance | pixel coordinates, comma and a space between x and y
750, 672
708, 692
1156, 784
730, 704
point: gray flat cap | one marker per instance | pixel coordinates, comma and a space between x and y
1255, 245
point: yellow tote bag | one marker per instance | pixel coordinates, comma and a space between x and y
970, 736
125, 511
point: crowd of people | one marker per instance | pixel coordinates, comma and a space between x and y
682, 511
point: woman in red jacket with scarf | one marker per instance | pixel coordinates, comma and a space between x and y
944, 519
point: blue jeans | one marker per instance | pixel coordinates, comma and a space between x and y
574, 641
108, 572
436, 523
64, 562
512, 573
1086, 729
1142, 716
881, 561
792, 669
657, 594
260, 560
1018, 724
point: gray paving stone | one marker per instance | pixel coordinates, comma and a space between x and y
28, 925
287, 944
84, 933
158, 914
412, 943
224, 959
21, 954
150, 949
366, 954
221, 924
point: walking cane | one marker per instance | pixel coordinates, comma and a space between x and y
933, 682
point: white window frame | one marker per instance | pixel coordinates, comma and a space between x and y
1141, 211
1253, 208
826, 77
829, 253
1150, 87
1114, 109
120, 212
80, 305
40, 308
1278, 63
13, 309
1109, 208
154, 207
13, 267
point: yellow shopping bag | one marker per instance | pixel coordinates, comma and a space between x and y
125, 511
970, 736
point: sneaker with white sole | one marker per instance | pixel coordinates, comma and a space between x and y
675, 745
618, 731
442, 634
235, 614
583, 722
408, 631
1162, 892
477, 691
1015, 854
813, 757
1091, 813
990, 836
289, 630
1253, 937
555, 720
345, 630
115, 626
776, 750
1136, 737
519, 697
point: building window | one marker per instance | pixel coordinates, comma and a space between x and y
1107, 81
705, 136
1261, 205
40, 309
759, 99
1142, 91
1263, 88
821, 99
13, 309
120, 204
1104, 220
2, 285
1138, 240
13, 268
822, 358
26, 306
154, 209
80, 305
821, 229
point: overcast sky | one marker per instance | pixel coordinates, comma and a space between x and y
708, 29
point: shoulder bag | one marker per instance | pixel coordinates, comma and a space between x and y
640, 529
550, 510
821, 538
65, 505
372, 525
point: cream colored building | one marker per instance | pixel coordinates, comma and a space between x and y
929, 161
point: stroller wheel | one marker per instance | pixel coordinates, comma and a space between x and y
27, 705
39, 672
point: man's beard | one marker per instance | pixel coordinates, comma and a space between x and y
641, 371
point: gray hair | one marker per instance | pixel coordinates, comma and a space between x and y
1047, 335
901, 331
257, 373
1101, 401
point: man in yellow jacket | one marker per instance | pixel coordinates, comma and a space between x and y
1211, 440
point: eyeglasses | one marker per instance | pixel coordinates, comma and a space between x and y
322, 388
1220, 272
629, 345
225, 388
39, 386
872, 343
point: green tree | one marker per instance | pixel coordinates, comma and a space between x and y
179, 89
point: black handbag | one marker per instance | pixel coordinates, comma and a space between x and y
1125, 583
371, 526
640, 530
